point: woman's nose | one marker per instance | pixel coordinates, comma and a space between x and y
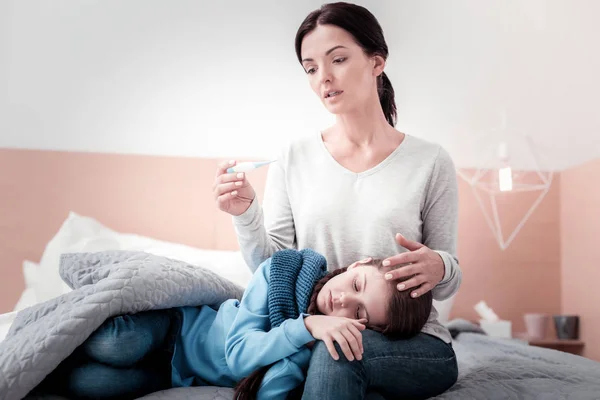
325, 75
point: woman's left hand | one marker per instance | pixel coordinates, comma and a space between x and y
425, 264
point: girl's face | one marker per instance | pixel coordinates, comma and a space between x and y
360, 292
335, 63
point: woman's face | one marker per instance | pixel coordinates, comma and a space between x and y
360, 292
335, 63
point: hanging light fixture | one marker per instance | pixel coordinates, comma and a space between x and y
500, 179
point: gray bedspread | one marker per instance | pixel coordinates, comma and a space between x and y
491, 368
106, 284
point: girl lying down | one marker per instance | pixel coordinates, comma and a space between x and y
259, 345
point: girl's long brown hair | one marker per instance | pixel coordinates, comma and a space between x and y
406, 318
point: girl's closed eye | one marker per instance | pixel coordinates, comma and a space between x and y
355, 284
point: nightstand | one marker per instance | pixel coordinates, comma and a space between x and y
566, 345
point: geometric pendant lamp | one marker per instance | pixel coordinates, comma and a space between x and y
501, 185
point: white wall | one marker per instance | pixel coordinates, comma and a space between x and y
220, 79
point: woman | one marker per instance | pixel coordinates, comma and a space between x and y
359, 188
259, 344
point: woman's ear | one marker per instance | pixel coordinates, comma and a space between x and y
378, 65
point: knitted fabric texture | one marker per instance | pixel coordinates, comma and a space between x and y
293, 277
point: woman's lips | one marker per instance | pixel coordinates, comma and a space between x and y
334, 97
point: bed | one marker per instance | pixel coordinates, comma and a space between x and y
493, 368
489, 368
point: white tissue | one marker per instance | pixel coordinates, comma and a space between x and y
485, 312
491, 324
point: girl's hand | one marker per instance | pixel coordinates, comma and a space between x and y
345, 331
233, 193
426, 265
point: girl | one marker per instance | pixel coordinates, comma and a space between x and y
259, 344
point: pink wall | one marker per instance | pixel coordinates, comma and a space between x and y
580, 233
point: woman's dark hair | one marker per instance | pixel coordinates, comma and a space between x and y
406, 318
367, 33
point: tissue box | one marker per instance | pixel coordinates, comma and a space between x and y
501, 329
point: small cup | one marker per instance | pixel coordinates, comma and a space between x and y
567, 326
536, 325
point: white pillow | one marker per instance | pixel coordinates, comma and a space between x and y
5, 321
443, 308
85, 234
31, 273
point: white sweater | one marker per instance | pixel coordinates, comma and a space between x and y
311, 201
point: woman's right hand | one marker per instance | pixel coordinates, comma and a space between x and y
345, 331
232, 191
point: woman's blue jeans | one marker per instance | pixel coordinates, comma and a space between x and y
127, 357
417, 368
